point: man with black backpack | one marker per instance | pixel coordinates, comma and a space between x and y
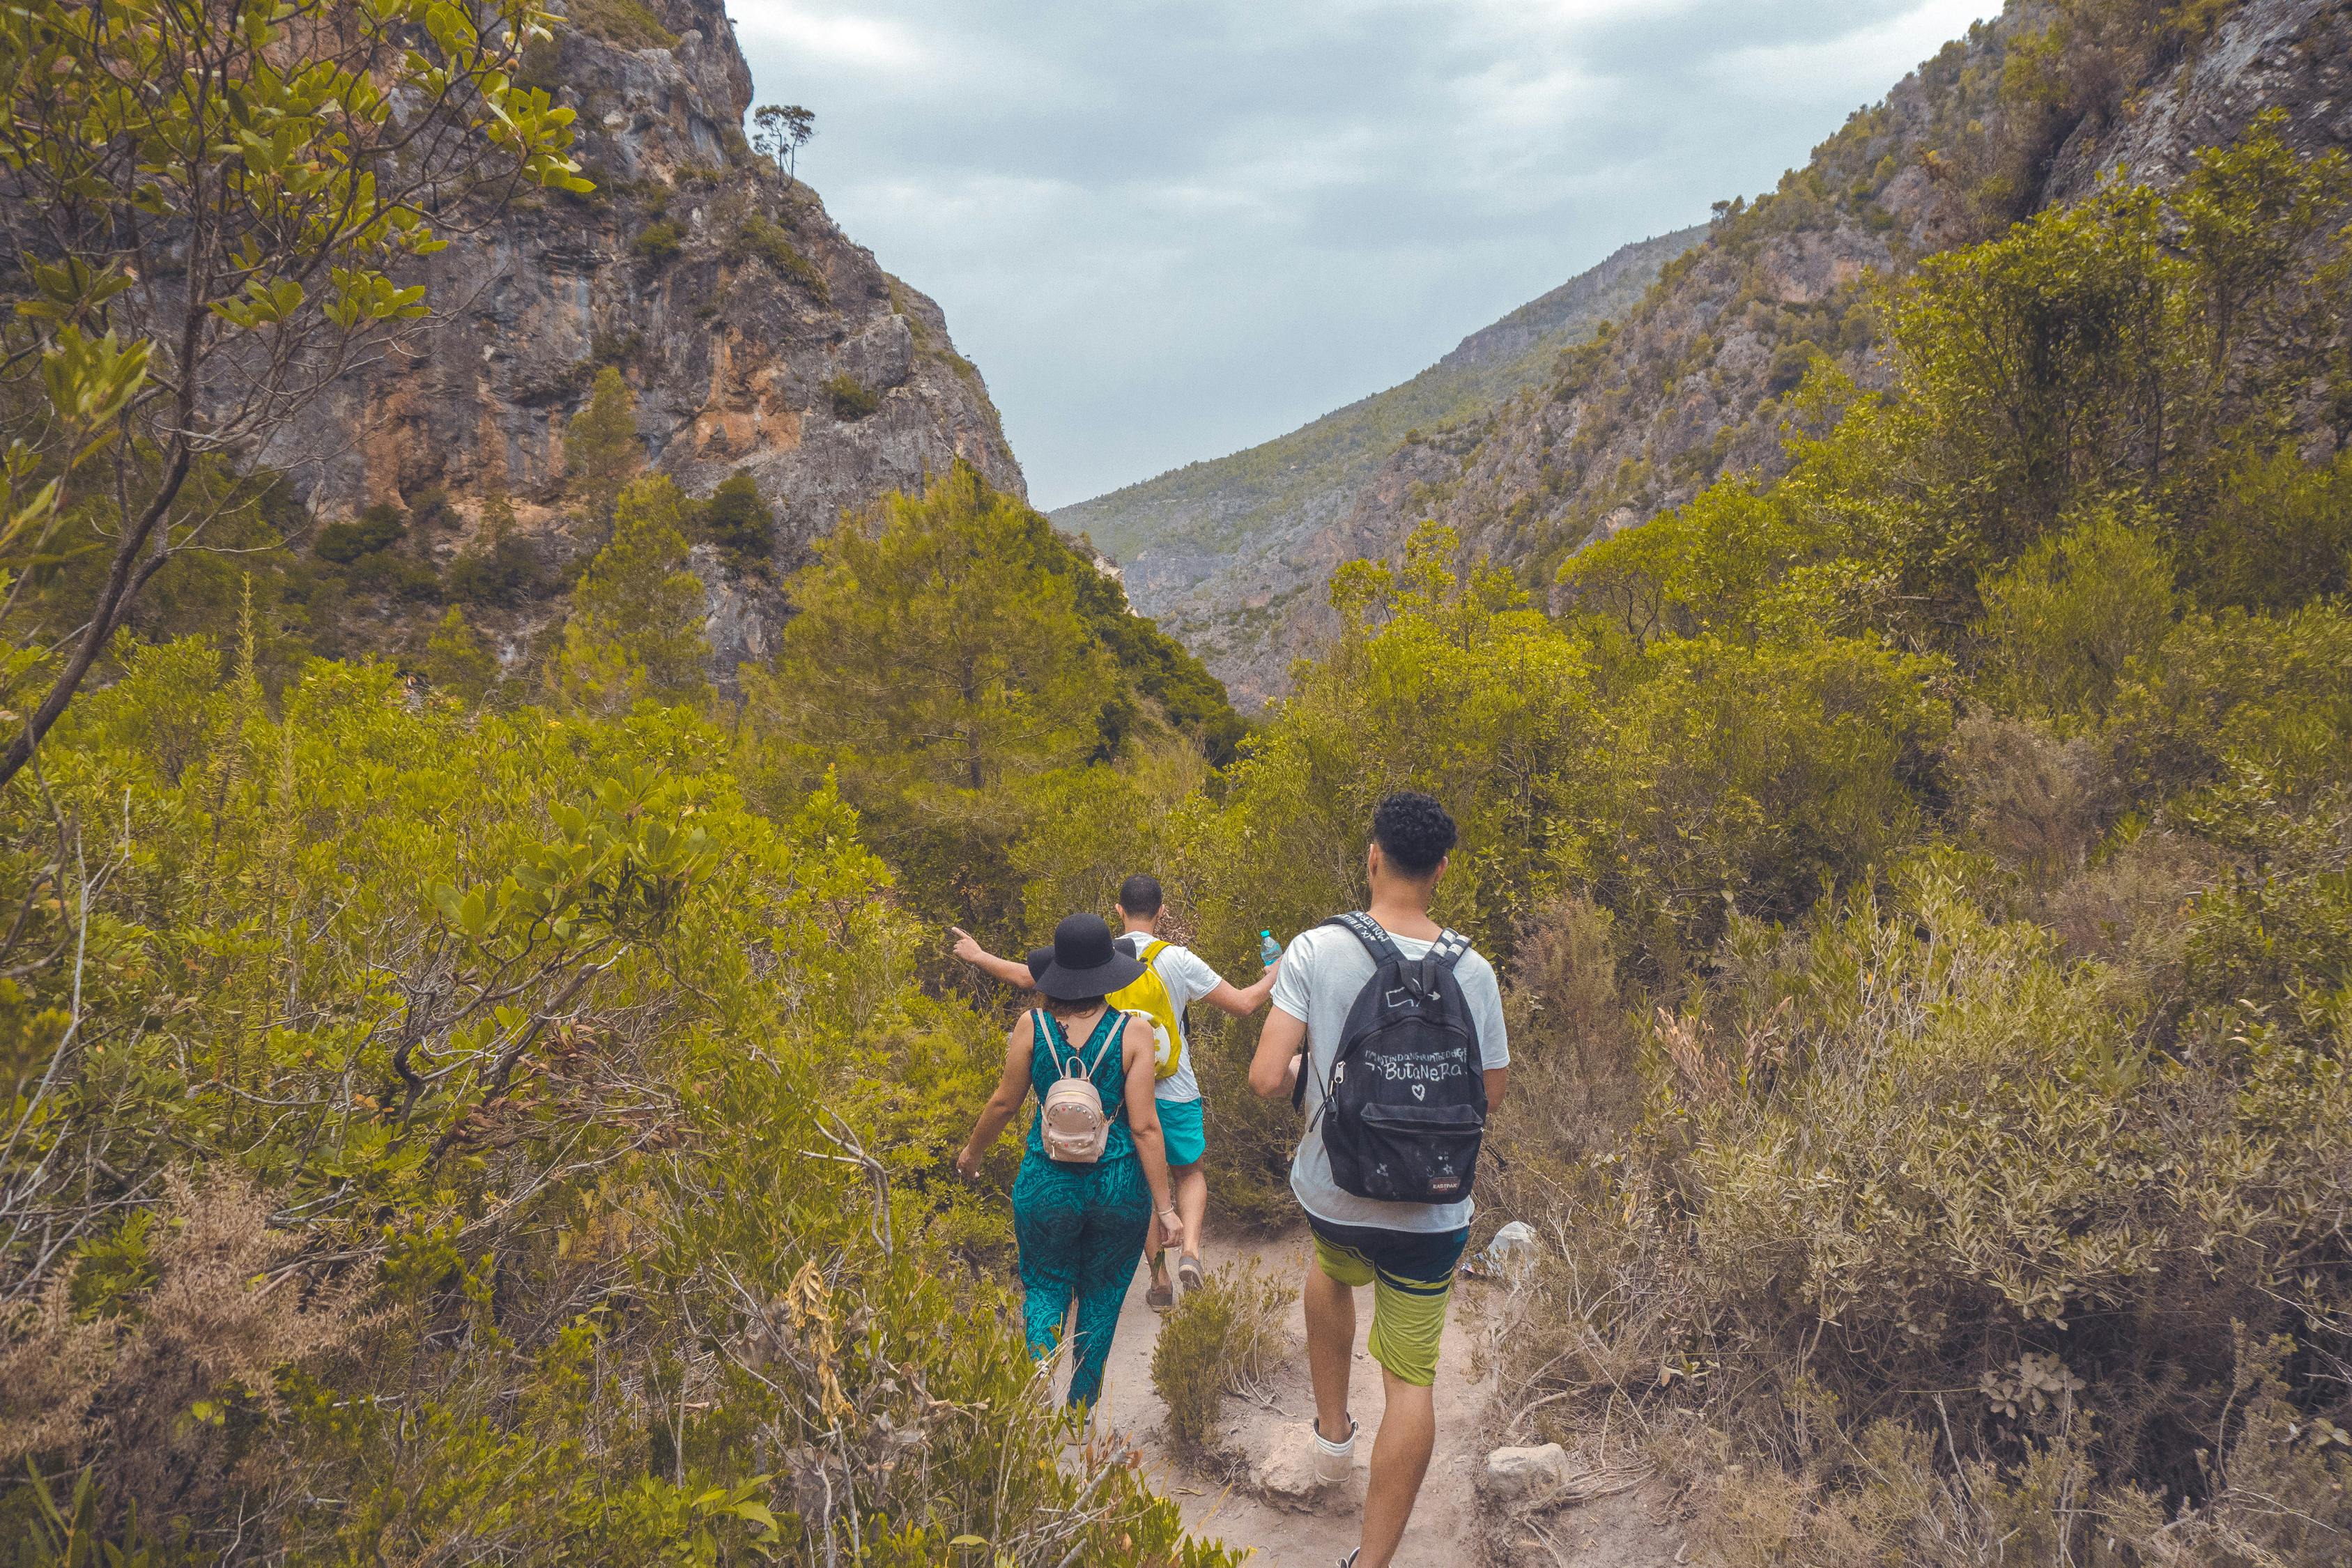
1395, 1028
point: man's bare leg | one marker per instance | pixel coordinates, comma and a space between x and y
1192, 1195
1400, 1459
1188, 1185
1330, 1347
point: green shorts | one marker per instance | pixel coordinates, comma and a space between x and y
1180, 1126
1411, 1276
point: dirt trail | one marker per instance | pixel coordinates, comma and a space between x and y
1449, 1528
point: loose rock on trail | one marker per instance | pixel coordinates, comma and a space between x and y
1252, 1494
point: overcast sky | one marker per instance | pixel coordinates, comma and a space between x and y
1169, 229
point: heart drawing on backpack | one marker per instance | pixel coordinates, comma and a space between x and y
1420, 1091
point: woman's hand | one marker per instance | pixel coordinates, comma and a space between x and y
967, 1164
1171, 1228
966, 948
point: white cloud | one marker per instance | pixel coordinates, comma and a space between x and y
1168, 229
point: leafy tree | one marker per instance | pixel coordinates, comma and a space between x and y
636, 629
456, 662
781, 131
501, 567
739, 522
602, 449
209, 201
931, 663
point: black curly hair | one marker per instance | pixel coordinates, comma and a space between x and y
1413, 831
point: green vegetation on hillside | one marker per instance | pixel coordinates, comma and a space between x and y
512, 1119
446, 1125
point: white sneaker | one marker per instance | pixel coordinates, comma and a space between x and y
1333, 1461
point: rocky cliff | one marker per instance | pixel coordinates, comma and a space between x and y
2030, 109
754, 334
1230, 555
1698, 381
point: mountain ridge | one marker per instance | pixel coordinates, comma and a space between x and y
1214, 548
2026, 110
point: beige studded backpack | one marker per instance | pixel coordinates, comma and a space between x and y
1071, 1121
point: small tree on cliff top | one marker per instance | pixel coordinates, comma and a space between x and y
781, 131
202, 201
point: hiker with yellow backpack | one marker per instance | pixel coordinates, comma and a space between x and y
1173, 978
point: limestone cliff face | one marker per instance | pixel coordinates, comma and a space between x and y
754, 334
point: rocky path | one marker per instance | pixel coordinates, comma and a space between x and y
1450, 1528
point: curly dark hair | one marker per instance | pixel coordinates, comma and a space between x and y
1413, 831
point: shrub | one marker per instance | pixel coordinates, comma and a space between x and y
508, 572
380, 527
627, 23
740, 522
1221, 1339
658, 241
757, 238
850, 398
2064, 622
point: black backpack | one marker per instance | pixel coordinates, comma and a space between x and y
1404, 1109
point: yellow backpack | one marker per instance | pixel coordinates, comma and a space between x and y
1147, 994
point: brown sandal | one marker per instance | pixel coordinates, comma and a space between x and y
1160, 1296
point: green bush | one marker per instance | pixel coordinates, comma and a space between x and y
2064, 622
1223, 1338
739, 522
658, 241
850, 398
624, 22
379, 528
757, 238
508, 573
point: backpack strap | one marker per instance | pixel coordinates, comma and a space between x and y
1152, 952
1369, 931
1049, 1033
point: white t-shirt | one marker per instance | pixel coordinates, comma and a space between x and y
1188, 978
1322, 971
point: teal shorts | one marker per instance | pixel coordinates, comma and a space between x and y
1180, 1124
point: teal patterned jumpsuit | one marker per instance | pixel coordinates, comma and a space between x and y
1081, 1228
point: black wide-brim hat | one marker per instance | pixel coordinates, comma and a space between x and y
1086, 962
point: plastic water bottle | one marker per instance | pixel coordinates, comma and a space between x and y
1268, 950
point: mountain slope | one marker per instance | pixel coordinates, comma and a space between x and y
1218, 552
754, 334
2029, 110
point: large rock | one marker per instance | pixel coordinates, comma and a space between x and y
1528, 1476
1285, 1474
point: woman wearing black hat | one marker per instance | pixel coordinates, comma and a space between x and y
1081, 1209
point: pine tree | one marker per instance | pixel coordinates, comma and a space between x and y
601, 448
739, 522
456, 663
636, 629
